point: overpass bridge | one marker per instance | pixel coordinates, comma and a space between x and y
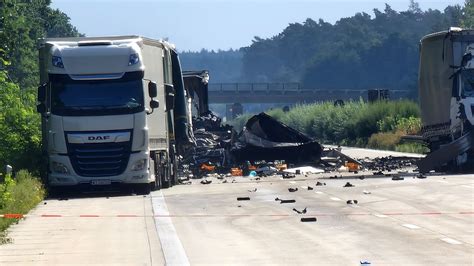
285, 93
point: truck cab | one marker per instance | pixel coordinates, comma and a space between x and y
107, 111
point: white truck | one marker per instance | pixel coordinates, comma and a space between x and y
113, 111
446, 94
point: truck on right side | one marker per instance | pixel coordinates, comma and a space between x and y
446, 96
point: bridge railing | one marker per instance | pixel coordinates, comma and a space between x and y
254, 87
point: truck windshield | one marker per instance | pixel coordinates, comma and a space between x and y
97, 97
468, 83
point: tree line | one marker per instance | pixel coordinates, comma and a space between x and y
22, 24
378, 50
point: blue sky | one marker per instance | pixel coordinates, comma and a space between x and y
214, 24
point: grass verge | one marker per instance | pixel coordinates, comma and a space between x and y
18, 195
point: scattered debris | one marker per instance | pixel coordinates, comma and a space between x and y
287, 201
365, 263
288, 175
361, 177
243, 198
225, 181
292, 189
253, 190
421, 176
320, 184
349, 202
310, 188
348, 184
356, 201
206, 182
397, 178
300, 212
366, 192
277, 199
352, 202
308, 219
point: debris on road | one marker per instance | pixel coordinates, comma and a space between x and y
348, 184
253, 190
292, 189
282, 201
288, 175
352, 202
243, 198
320, 184
300, 212
206, 182
308, 219
310, 188
366, 192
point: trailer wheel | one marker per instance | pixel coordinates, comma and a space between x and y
165, 170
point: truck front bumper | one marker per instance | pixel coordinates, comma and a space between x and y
71, 178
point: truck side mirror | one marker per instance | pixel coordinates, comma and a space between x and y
169, 96
152, 89
42, 93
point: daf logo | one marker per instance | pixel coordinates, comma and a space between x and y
98, 137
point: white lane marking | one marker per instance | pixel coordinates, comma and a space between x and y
335, 199
172, 247
292, 182
304, 187
380, 215
451, 241
319, 192
411, 226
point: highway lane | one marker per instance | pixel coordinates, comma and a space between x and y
411, 221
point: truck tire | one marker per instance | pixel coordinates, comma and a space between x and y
165, 170
155, 185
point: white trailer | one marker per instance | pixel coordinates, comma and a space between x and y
107, 108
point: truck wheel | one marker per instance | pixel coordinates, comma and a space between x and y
156, 185
165, 171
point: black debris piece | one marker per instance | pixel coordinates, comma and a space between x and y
225, 181
243, 198
239, 206
397, 178
206, 182
300, 212
319, 184
282, 201
292, 189
378, 173
349, 202
277, 199
356, 201
348, 184
361, 177
308, 219
390, 163
310, 188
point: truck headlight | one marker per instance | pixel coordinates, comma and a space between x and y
139, 165
57, 61
133, 59
59, 168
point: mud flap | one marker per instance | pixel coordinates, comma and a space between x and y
446, 153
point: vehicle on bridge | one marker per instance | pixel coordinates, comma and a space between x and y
113, 111
446, 91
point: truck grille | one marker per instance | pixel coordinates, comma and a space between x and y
99, 159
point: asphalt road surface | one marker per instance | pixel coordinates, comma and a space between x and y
407, 222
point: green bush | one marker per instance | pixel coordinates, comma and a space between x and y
19, 195
384, 141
